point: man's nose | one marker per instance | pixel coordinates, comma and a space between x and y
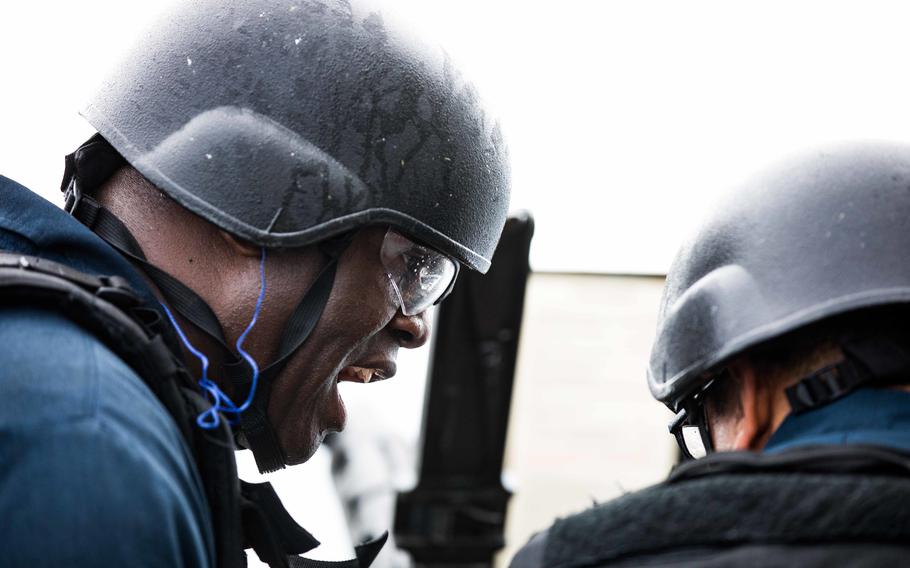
411, 331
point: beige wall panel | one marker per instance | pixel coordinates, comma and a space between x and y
584, 426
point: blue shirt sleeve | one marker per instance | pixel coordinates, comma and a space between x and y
94, 471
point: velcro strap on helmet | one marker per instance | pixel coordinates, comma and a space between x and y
872, 360
824, 386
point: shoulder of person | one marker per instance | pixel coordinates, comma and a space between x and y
731, 510
91, 457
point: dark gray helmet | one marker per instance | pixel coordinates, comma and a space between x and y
821, 235
287, 123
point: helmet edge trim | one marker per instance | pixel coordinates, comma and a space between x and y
681, 385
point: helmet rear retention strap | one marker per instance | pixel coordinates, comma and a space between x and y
874, 360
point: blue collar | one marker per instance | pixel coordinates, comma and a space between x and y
868, 416
33, 226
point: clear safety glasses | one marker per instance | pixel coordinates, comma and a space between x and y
690, 427
420, 276
691, 435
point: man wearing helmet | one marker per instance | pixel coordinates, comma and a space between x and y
275, 197
782, 347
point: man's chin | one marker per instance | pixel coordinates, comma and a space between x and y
302, 454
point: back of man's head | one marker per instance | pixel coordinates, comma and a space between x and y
763, 307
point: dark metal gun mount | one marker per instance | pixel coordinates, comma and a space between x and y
455, 516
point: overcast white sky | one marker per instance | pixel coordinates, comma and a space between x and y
624, 118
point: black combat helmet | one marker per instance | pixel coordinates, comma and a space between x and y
287, 124
818, 236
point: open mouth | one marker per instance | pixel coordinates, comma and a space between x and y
365, 374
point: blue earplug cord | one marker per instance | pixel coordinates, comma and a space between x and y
221, 403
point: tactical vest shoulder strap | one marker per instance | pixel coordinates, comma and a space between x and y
107, 307
824, 459
243, 515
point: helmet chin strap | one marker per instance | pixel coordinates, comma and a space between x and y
256, 431
874, 360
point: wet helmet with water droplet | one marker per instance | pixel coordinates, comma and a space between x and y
818, 236
286, 123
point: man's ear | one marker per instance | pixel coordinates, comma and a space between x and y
755, 425
240, 246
